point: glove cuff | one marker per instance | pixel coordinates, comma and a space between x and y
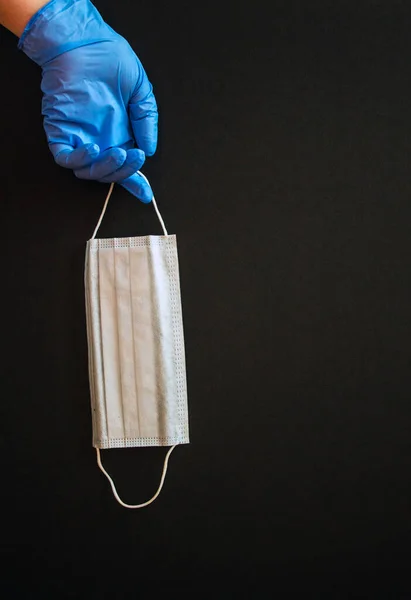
60, 26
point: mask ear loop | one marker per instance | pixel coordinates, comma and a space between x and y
110, 191
163, 475
153, 200
113, 487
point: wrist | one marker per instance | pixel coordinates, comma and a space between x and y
15, 14
60, 26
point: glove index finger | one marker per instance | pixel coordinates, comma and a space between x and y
144, 117
137, 186
70, 158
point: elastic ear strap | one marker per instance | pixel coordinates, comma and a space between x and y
153, 200
110, 191
113, 487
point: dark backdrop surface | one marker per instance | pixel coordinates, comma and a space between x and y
284, 168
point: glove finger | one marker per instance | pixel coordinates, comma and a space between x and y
134, 161
70, 158
137, 186
144, 117
105, 165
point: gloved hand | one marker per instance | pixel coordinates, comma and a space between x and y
98, 102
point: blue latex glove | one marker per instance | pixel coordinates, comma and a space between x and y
97, 103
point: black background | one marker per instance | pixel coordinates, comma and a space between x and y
284, 168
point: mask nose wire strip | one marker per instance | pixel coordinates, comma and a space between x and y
113, 487
163, 475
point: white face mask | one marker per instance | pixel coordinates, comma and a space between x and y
136, 344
